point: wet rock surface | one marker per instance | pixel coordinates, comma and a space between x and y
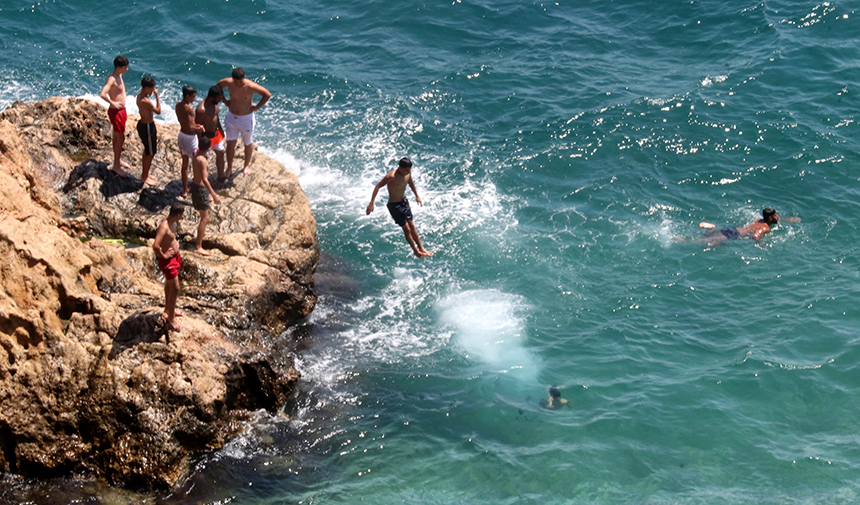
90, 381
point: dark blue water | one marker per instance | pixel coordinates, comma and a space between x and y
561, 150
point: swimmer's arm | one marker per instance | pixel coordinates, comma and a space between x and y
381, 184
415, 192
791, 219
104, 95
707, 225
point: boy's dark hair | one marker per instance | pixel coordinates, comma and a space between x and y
767, 213
120, 61
215, 91
238, 73
176, 210
188, 91
405, 162
554, 392
147, 82
203, 144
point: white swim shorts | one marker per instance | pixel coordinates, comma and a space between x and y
233, 125
187, 144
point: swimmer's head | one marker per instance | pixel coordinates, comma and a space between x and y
769, 216
554, 392
238, 74
120, 61
405, 163
147, 82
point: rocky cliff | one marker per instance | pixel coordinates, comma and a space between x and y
90, 381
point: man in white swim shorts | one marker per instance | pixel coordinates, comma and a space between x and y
188, 131
240, 118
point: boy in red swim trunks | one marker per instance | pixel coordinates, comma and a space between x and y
114, 94
166, 249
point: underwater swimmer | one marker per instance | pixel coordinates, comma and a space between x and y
555, 401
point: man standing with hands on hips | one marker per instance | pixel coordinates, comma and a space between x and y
240, 117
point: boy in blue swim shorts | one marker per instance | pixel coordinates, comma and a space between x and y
398, 205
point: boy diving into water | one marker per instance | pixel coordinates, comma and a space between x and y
398, 205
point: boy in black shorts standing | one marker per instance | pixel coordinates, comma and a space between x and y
146, 126
201, 190
398, 205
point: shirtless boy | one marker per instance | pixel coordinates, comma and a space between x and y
114, 94
240, 117
201, 191
166, 249
753, 230
207, 115
398, 205
188, 131
146, 126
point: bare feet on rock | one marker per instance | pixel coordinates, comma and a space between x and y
202, 252
119, 171
169, 325
151, 182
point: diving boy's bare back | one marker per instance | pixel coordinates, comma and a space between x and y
398, 205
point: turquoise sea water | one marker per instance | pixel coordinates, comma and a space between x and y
561, 149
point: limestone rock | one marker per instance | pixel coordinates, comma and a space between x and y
90, 381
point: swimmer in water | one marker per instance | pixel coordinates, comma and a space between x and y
753, 230
555, 401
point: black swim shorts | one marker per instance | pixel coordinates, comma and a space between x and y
148, 135
199, 196
731, 233
400, 211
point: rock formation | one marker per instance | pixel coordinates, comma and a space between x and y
90, 381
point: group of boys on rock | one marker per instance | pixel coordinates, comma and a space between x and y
199, 131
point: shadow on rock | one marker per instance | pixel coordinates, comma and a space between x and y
112, 184
156, 200
137, 329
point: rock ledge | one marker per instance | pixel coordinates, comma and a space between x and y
90, 382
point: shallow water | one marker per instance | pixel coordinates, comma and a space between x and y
561, 151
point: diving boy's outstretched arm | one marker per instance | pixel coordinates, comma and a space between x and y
381, 184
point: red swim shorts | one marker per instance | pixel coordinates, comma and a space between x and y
171, 266
118, 118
